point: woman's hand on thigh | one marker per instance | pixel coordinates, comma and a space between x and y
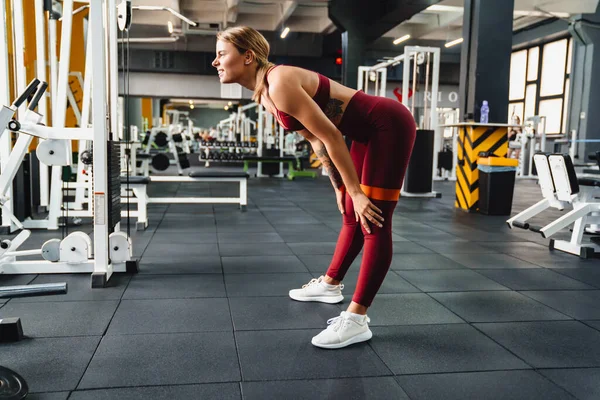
366, 211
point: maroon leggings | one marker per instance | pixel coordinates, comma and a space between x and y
383, 133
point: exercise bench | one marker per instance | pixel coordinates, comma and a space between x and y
294, 165
561, 188
138, 187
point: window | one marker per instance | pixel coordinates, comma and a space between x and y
539, 83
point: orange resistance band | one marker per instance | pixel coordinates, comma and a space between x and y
377, 193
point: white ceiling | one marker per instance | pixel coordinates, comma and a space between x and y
440, 22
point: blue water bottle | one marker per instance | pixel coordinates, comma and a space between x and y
485, 112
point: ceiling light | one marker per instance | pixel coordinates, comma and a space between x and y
170, 26
402, 39
454, 42
191, 101
230, 104
191, 106
285, 32
226, 108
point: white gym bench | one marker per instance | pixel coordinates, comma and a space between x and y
138, 185
561, 189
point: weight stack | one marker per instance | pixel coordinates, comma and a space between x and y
419, 175
114, 184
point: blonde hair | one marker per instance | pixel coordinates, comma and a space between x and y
245, 39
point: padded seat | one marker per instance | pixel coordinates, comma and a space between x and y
589, 182
140, 180
217, 174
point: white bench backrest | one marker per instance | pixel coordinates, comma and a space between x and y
544, 176
560, 174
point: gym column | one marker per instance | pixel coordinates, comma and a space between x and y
585, 84
485, 57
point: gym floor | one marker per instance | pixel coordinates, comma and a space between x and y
469, 309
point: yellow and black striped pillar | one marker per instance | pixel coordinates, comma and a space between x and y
472, 140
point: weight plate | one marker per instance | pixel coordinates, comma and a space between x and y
161, 139
160, 162
12, 385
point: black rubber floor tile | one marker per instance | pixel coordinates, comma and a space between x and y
533, 279
79, 288
423, 261
490, 261
409, 309
207, 391
501, 306
559, 344
426, 236
456, 247
294, 357
175, 286
48, 396
180, 251
244, 229
347, 388
254, 249
393, 283
410, 247
187, 238
319, 263
65, 318
162, 359
306, 230
449, 280
264, 285
583, 383
283, 219
590, 276
593, 324
268, 313
262, 264
225, 238
312, 248
307, 237
578, 304
494, 385
205, 224
171, 316
16, 280
166, 264
50, 364
440, 348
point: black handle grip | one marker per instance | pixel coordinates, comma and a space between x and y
38, 96
519, 224
28, 92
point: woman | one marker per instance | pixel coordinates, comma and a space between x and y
367, 179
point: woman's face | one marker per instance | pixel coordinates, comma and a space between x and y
229, 62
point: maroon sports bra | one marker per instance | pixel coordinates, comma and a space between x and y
321, 97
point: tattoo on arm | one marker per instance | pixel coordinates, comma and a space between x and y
334, 174
333, 110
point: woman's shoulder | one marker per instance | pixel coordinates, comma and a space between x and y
288, 73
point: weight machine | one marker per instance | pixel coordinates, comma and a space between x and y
111, 249
531, 140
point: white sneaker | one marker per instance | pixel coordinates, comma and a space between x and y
343, 331
317, 290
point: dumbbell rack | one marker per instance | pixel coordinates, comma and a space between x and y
226, 151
